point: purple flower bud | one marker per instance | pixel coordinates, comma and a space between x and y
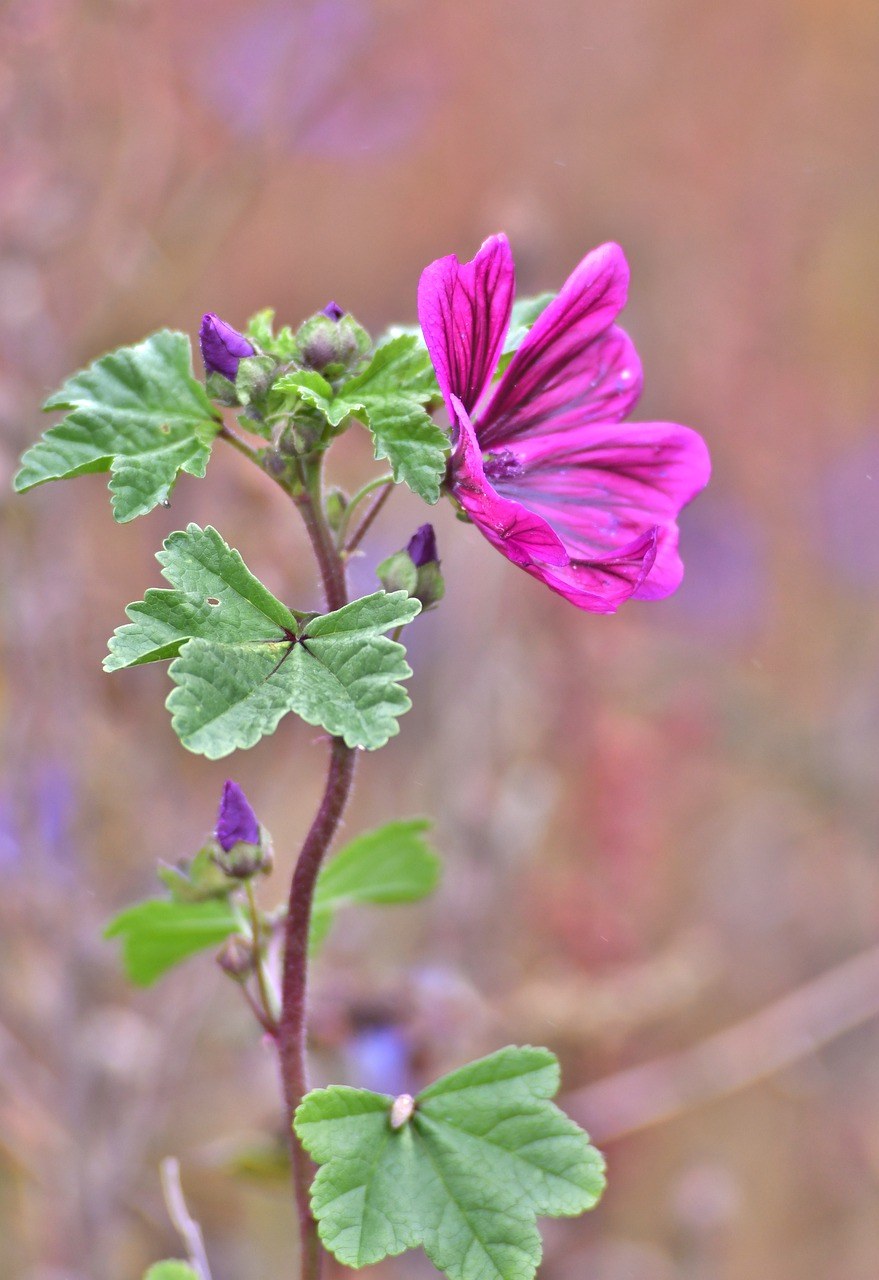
333, 311
422, 546
236, 821
222, 346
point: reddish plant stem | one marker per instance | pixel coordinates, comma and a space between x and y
292, 1030
362, 529
292, 1040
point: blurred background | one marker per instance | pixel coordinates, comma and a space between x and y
659, 829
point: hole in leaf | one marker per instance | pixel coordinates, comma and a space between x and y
212, 601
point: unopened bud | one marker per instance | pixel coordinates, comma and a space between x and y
335, 506
235, 957
332, 342
244, 847
235, 818
415, 570
422, 546
222, 346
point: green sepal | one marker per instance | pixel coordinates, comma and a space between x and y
219, 388
197, 880
253, 380
260, 330
138, 413
398, 573
425, 582
463, 1170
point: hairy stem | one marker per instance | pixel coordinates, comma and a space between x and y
227, 434
292, 1037
330, 563
292, 1040
362, 529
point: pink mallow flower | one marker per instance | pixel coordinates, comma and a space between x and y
542, 462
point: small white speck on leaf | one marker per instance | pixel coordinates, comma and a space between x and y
401, 1110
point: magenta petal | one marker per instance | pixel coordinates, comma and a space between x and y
561, 368
522, 536
464, 309
601, 382
602, 487
601, 586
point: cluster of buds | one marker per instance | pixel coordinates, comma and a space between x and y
242, 371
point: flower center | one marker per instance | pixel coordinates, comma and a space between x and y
502, 465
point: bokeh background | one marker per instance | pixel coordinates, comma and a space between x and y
659, 829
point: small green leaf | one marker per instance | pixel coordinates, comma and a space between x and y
138, 413
311, 388
158, 934
243, 660
391, 393
480, 1156
171, 1270
392, 864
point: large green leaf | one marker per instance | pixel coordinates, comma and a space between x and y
392, 864
138, 413
482, 1153
159, 933
243, 660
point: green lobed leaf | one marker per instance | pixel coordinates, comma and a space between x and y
392, 864
159, 933
484, 1153
390, 394
216, 597
138, 413
172, 1269
243, 660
